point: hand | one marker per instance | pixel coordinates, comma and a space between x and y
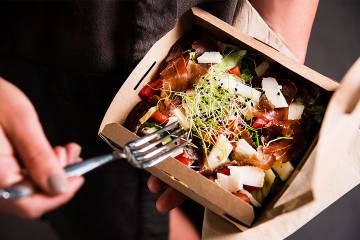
22, 138
169, 199
291, 20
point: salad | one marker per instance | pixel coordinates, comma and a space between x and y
248, 122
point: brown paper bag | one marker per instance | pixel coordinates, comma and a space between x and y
215, 227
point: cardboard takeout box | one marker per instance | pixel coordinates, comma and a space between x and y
298, 190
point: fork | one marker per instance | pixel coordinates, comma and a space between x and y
144, 152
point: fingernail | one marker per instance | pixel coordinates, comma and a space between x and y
57, 183
76, 153
62, 156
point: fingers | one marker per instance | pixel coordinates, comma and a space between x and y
69, 154
30, 142
155, 185
5, 146
169, 199
347, 96
36, 205
73, 151
61, 155
9, 168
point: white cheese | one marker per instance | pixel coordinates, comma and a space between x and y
235, 85
184, 123
273, 93
248, 175
210, 57
229, 183
283, 169
261, 193
220, 152
295, 111
244, 149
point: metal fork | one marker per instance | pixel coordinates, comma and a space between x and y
141, 153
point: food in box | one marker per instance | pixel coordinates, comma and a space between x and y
313, 89
249, 123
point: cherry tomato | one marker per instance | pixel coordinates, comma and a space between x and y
150, 89
224, 170
183, 159
242, 196
160, 118
260, 123
235, 70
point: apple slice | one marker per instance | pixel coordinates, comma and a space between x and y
220, 152
273, 93
248, 175
229, 183
283, 169
295, 111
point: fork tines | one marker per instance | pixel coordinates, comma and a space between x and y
153, 148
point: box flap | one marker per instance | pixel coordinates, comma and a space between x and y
190, 183
217, 26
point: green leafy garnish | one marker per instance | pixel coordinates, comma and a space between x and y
256, 138
246, 75
211, 109
231, 60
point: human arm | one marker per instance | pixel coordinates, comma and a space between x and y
291, 20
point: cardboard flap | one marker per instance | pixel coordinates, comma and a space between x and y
217, 26
190, 183
339, 141
337, 168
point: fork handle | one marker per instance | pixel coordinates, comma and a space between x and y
26, 187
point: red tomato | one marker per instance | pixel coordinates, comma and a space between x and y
149, 90
235, 70
183, 159
160, 118
224, 170
260, 123
250, 188
242, 196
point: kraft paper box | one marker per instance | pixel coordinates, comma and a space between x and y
298, 190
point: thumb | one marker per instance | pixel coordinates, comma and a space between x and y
28, 139
347, 96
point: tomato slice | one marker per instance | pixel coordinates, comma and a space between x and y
160, 118
224, 170
181, 158
242, 196
150, 89
235, 70
260, 123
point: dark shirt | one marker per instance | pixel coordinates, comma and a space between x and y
70, 58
